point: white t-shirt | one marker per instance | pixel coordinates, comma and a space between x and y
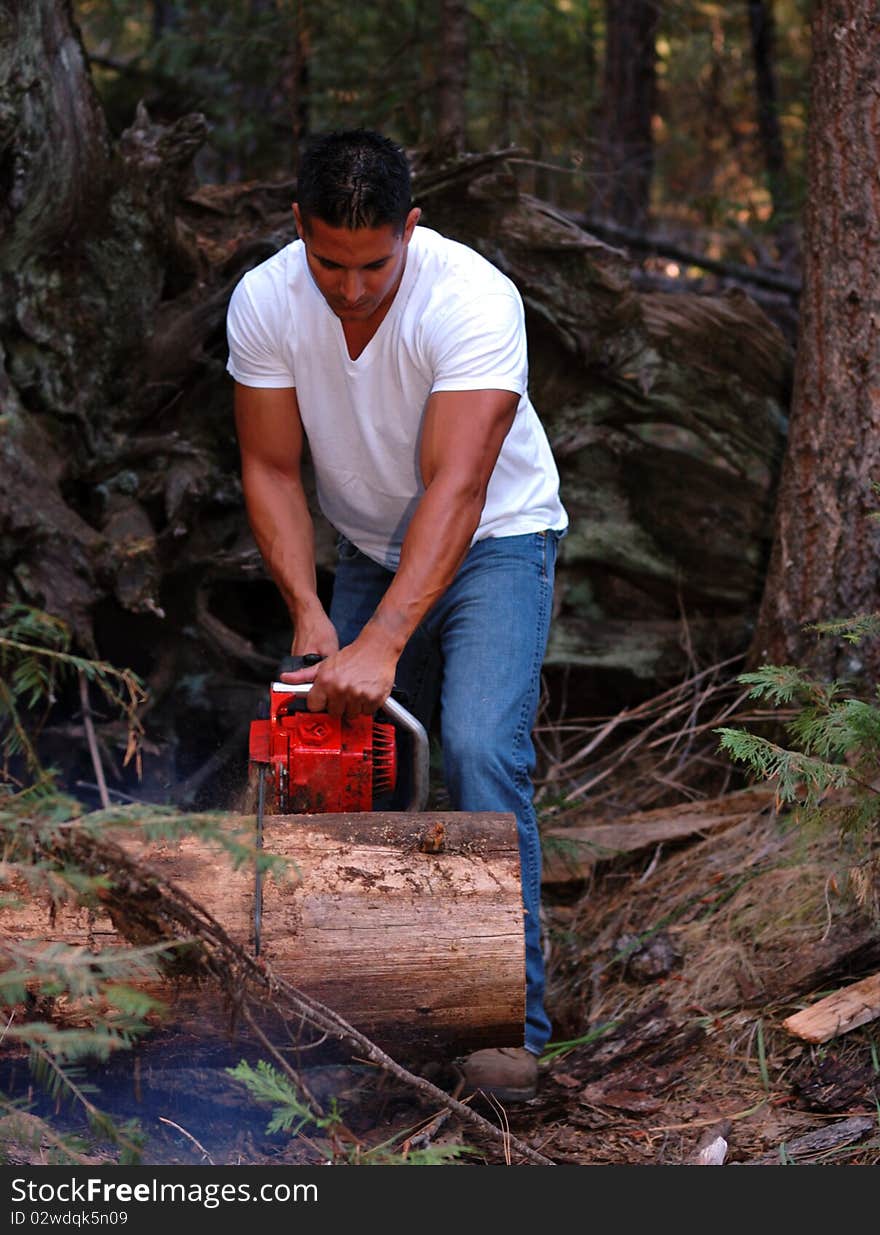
456, 323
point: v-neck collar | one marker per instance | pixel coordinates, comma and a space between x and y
367, 353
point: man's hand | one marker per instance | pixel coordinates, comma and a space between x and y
355, 681
314, 633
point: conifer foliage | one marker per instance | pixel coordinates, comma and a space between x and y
828, 770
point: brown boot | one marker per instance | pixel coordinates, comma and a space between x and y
509, 1073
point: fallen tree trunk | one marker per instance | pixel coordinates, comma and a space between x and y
408, 926
571, 852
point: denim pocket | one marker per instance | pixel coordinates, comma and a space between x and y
550, 542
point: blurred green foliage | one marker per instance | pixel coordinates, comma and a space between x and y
261, 70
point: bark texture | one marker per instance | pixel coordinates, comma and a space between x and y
408, 926
824, 562
88, 245
452, 73
625, 164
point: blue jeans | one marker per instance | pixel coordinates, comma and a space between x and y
481, 648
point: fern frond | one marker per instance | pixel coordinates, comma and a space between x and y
34, 656
785, 684
799, 777
835, 732
65, 1082
268, 1086
851, 629
78, 970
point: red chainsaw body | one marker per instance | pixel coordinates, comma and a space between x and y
320, 763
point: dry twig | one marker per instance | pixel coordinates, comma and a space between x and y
189, 1136
92, 740
635, 757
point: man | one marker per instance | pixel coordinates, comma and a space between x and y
400, 357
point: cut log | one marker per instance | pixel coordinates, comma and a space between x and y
838, 1013
571, 852
416, 941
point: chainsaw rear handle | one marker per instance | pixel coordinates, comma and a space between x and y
290, 663
405, 720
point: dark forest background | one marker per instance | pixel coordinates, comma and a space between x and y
684, 194
690, 115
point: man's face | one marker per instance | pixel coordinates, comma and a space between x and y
357, 271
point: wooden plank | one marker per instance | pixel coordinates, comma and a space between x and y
570, 853
838, 1013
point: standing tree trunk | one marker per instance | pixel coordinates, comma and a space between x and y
824, 562
297, 83
166, 16
452, 77
763, 32
625, 147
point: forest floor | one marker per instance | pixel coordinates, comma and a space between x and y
684, 962
671, 972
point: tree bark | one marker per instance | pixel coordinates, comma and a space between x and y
408, 926
297, 83
763, 32
85, 235
55, 159
452, 77
824, 563
625, 162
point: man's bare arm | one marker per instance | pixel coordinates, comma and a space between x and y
270, 438
462, 436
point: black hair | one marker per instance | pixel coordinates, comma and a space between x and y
356, 178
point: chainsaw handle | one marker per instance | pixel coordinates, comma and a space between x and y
404, 720
292, 664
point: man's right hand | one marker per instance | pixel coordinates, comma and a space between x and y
315, 635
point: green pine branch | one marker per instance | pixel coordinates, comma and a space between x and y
799, 777
35, 657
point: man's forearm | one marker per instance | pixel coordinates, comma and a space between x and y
282, 526
434, 547
361, 677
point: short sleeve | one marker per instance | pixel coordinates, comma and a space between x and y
254, 355
481, 345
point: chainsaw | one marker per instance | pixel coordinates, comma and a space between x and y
314, 763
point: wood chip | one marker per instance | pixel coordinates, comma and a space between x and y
838, 1013
843, 1132
712, 1154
